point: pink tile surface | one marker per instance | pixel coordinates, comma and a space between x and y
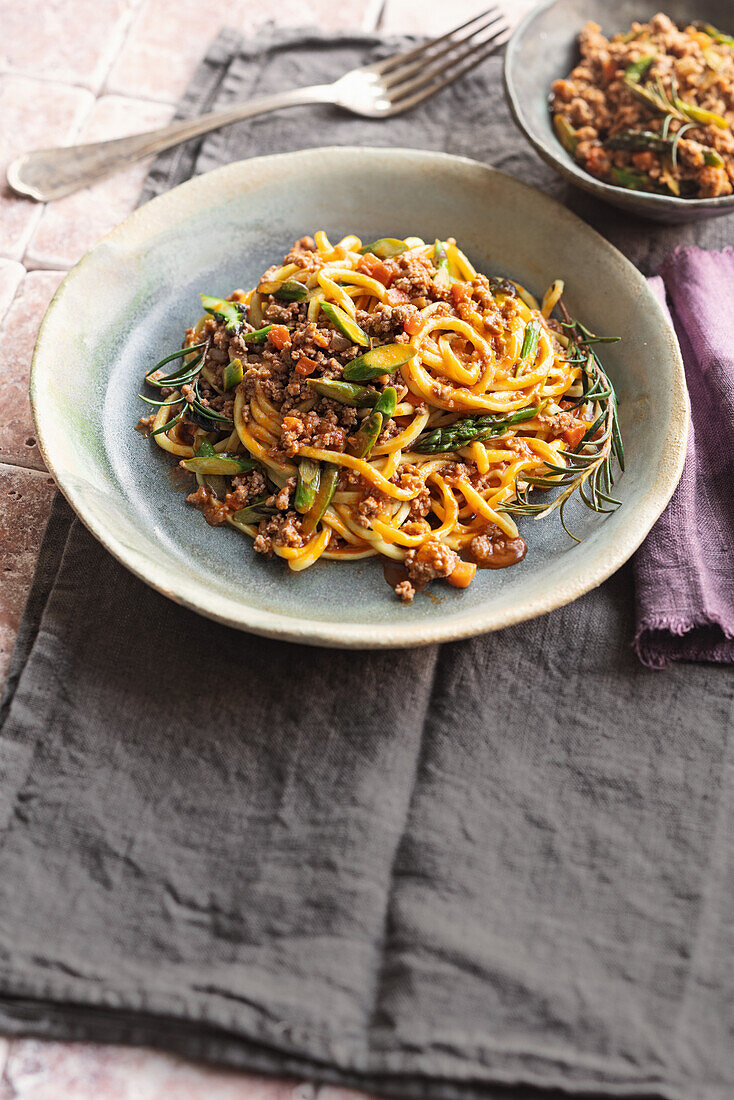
69, 227
18, 333
332, 1092
77, 49
82, 1071
25, 499
159, 65
11, 274
35, 114
418, 17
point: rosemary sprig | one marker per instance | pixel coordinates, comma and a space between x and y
185, 373
170, 423
654, 96
589, 469
206, 418
188, 373
636, 141
584, 336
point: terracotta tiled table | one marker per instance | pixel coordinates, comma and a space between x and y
85, 70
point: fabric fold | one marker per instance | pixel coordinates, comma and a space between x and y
684, 571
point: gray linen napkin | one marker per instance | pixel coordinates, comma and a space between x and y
499, 869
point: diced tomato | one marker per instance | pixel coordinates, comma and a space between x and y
462, 575
460, 292
279, 337
413, 323
321, 339
573, 436
374, 267
305, 366
608, 70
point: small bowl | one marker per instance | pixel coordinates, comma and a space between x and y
544, 47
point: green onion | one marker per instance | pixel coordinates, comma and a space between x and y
233, 374
324, 493
290, 291
224, 310
387, 402
378, 361
634, 73
385, 248
346, 393
229, 465
259, 336
309, 476
712, 158
442, 278
362, 442
346, 325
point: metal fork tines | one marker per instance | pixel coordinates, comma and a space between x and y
380, 90
413, 76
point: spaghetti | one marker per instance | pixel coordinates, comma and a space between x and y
387, 400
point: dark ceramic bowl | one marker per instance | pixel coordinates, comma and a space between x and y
544, 48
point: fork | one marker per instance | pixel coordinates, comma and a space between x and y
382, 90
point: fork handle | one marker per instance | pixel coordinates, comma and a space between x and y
47, 174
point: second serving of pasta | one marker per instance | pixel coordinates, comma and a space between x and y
386, 399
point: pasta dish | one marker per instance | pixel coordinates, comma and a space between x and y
386, 399
652, 109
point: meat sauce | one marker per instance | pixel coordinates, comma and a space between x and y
485, 551
495, 551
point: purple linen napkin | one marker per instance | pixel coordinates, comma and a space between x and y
684, 571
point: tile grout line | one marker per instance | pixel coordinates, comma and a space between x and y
110, 55
14, 295
83, 87
39, 265
135, 13
374, 15
6, 467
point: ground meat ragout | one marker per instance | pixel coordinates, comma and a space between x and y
652, 109
381, 400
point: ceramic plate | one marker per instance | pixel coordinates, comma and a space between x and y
127, 302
